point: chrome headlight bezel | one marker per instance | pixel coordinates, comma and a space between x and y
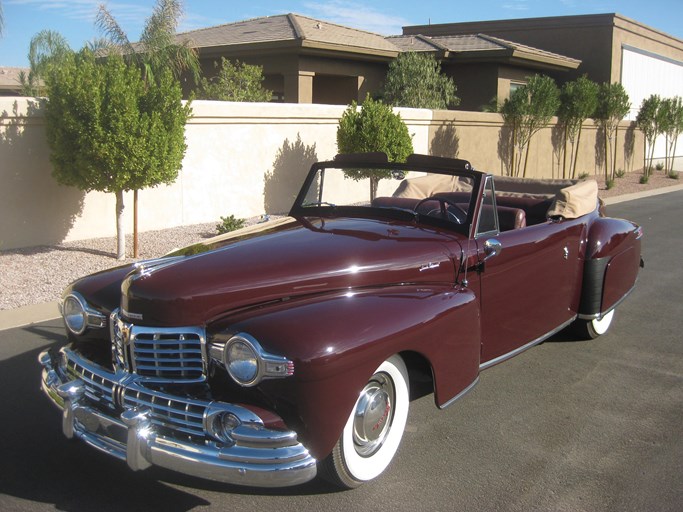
241, 360
78, 315
243, 347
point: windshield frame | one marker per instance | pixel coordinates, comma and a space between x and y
416, 163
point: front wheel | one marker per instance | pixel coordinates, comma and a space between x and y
591, 329
374, 429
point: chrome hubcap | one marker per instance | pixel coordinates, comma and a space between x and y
374, 414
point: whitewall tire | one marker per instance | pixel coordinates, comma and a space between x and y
591, 329
374, 428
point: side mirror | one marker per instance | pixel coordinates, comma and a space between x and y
492, 248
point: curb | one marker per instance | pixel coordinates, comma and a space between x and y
26, 315
640, 195
35, 313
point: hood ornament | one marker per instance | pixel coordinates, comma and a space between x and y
148, 267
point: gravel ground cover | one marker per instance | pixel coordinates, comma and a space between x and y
39, 274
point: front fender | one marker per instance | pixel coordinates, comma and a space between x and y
337, 341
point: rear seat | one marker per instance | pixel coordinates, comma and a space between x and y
536, 208
511, 218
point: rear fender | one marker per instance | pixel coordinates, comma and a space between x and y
613, 258
337, 341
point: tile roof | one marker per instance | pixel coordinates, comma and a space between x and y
9, 78
313, 33
287, 27
475, 43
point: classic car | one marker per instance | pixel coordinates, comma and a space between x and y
290, 349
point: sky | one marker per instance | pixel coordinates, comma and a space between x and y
74, 19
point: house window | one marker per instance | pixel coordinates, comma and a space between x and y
515, 85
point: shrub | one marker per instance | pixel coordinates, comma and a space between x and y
415, 80
235, 82
609, 184
375, 127
620, 173
659, 166
583, 175
228, 224
673, 175
644, 179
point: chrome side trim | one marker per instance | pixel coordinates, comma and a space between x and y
521, 349
461, 394
598, 316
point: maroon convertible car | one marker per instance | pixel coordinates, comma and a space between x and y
287, 350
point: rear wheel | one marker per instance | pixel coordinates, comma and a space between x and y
591, 329
374, 429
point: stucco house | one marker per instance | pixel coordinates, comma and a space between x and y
306, 60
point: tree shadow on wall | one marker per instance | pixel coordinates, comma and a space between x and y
557, 141
290, 168
34, 209
600, 150
505, 149
629, 146
446, 142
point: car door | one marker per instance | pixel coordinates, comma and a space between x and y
529, 288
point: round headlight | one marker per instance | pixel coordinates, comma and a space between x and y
75, 317
241, 361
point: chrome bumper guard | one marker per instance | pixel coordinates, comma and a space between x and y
115, 414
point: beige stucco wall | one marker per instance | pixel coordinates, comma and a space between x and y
482, 139
243, 159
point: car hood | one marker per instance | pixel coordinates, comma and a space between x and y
283, 260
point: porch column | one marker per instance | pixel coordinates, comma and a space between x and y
299, 87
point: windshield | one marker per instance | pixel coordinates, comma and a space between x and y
405, 193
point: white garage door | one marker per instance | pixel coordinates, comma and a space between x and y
644, 73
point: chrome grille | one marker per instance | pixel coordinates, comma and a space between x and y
161, 354
172, 413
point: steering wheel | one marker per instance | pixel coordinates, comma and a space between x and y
454, 214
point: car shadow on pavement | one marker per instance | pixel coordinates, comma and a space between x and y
39, 464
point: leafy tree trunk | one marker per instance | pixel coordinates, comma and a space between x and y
564, 155
135, 223
513, 150
120, 233
526, 157
374, 183
606, 156
673, 155
614, 158
576, 154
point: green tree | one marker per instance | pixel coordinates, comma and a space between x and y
109, 131
529, 109
613, 105
648, 121
46, 50
415, 80
234, 82
671, 124
373, 127
159, 50
578, 101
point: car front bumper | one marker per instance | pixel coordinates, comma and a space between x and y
116, 414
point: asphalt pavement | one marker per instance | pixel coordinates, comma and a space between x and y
566, 426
